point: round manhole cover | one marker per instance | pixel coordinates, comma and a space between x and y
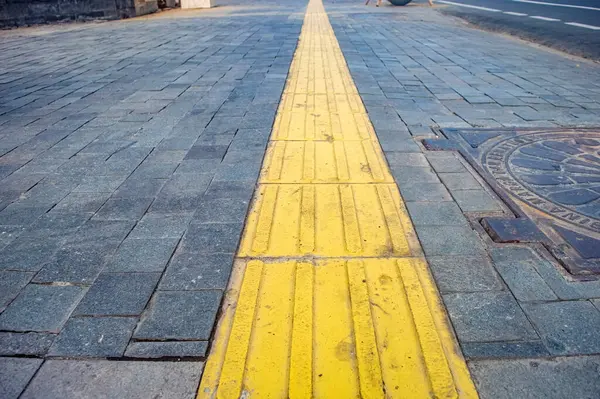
557, 173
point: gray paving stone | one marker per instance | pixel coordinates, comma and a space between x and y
395, 144
436, 214
567, 328
488, 317
100, 184
17, 214
564, 289
475, 201
11, 284
25, 344
459, 181
425, 192
221, 210
118, 294
158, 350
158, 225
569, 377
77, 263
521, 277
179, 315
449, 240
94, 231
143, 255
42, 308
93, 337
15, 374
464, 274
55, 225
72, 379
503, 350
413, 175
212, 238
8, 234
191, 271
225, 189
137, 186
398, 159
82, 202
123, 209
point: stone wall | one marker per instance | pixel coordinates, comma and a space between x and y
26, 12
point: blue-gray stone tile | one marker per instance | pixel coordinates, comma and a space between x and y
42, 308
93, 337
179, 315
15, 374
488, 317
568, 327
118, 294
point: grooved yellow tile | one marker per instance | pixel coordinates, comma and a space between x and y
357, 328
325, 162
307, 125
328, 220
330, 296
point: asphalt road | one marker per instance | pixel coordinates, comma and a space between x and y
568, 25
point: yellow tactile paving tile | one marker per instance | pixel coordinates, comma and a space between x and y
328, 220
325, 162
330, 296
325, 126
336, 328
344, 103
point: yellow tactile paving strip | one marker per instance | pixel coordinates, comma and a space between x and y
330, 295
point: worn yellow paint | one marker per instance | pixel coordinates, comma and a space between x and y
328, 220
325, 162
330, 295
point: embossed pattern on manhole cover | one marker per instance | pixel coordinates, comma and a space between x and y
551, 176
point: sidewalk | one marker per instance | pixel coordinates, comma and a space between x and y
130, 152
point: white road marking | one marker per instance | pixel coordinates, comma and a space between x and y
517, 14
583, 25
557, 5
544, 18
467, 6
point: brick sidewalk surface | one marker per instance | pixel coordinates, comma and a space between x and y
129, 152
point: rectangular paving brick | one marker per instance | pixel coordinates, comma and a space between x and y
77, 263
70, 379
567, 328
11, 283
475, 201
459, 181
488, 317
193, 271
25, 344
212, 238
221, 210
118, 294
161, 350
449, 240
503, 350
464, 274
436, 214
142, 255
15, 374
179, 315
521, 277
544, 378
123, 209
425, 192
42, 308
93, 337
158, 225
